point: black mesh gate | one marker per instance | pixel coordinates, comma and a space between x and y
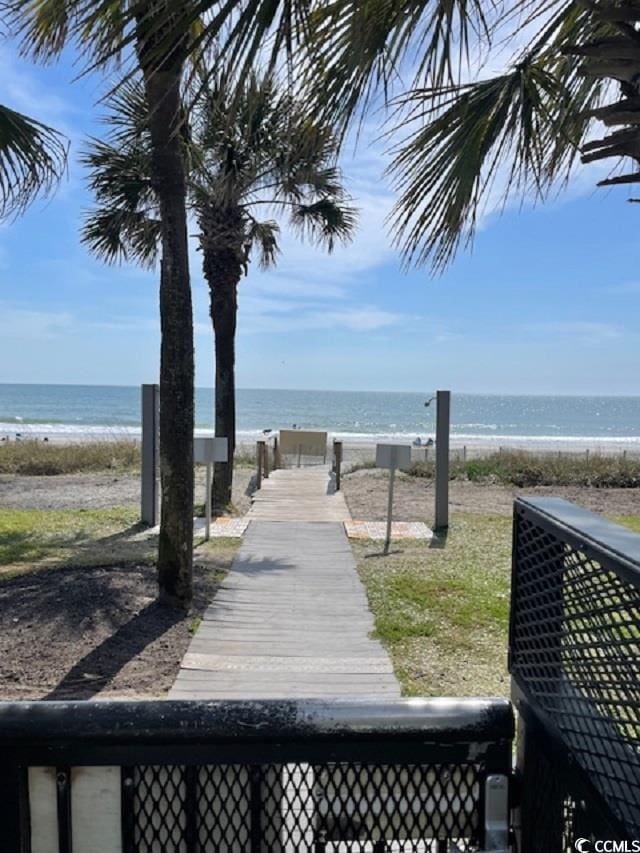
575, 663
262, 777
305, 807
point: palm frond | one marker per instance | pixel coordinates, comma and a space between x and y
358, 48
119, 176
33, 158
102, 29
326, 221
522, 129
125, 223
263, 236
444, 169
114, 234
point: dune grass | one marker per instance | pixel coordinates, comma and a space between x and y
48, 458
443, 612
524, 469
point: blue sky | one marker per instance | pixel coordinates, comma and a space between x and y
547, 302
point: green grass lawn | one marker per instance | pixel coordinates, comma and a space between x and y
443, 613
33, 538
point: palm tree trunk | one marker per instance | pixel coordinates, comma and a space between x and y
175, 546
222, 267
224, 309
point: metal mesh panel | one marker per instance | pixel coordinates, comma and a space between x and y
223, 808
575, 643
304, 807
158, 807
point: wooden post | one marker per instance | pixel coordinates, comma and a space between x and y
259, 457
337, 455
207, 504
442, 458
276, 453
464, 453
266, 459
387, 538
149, 492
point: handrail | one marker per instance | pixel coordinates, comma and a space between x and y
573, 657
147, 722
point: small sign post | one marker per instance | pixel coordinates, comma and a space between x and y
391, 456
443, 427
208, 451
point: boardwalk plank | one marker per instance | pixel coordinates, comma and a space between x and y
291, 619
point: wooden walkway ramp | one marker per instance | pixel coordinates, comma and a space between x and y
291, 619
299, 494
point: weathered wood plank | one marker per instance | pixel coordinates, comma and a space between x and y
291, 619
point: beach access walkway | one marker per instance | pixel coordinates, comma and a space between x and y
291, 618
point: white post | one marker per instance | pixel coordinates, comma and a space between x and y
387, 541
207, 504
149, 454
442, 458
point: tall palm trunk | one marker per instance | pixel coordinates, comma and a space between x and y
223, 269
175, 547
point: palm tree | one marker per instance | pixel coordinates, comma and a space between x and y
249, 147
158, 33
33, 158
457, 134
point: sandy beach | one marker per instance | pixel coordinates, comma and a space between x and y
357, 447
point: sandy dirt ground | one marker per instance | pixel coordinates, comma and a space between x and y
366, 495
86, 632
98, 491
364, 490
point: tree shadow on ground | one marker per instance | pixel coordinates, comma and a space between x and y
21, 552
19, 546
78, 630
97, 668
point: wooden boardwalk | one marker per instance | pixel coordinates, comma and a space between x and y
299, 494
291, 619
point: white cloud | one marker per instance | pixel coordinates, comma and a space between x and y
589, 331
356, 319
24, 324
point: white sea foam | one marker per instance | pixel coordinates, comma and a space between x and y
472, 441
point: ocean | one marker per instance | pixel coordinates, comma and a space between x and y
359, 417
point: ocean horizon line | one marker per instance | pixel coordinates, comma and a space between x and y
208, 388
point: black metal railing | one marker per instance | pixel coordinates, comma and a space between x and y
177, 777
575, 664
